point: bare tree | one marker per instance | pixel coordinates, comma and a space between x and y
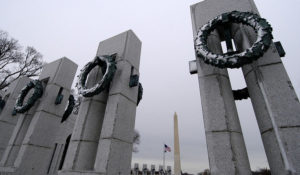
14, 62
136, 141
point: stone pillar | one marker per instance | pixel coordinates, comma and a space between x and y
82, 150
37, 134
115, 145
274, 100
145, 169
102, 138
177, 164
161, 170
152, 170
19, 131
136, 169
16, 139
62, 142
7, 120
225, 143
169, 170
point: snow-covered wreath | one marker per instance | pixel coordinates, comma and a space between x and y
69, 109
20, 106
108, 66
234, 60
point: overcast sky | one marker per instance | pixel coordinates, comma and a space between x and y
73, 28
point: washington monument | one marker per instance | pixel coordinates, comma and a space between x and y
177, 165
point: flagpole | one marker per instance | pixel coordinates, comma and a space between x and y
164, 152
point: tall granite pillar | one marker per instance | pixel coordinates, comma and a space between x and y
274, 100
145, 169
82, 150
116, 139
16, 138
225, 143
136, 169
102, 139
7, 120
152, 170
38, 133
169, 170
161, 170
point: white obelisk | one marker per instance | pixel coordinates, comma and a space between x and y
177, 165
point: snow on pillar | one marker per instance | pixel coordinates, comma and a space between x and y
225, 143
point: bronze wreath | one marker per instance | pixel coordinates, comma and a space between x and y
38, 92
234, 60
140, 93
108, 66
69, 109
240, 94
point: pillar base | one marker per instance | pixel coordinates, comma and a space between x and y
77, 172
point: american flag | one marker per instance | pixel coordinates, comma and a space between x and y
167, 148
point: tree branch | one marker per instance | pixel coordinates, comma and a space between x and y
14, 63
